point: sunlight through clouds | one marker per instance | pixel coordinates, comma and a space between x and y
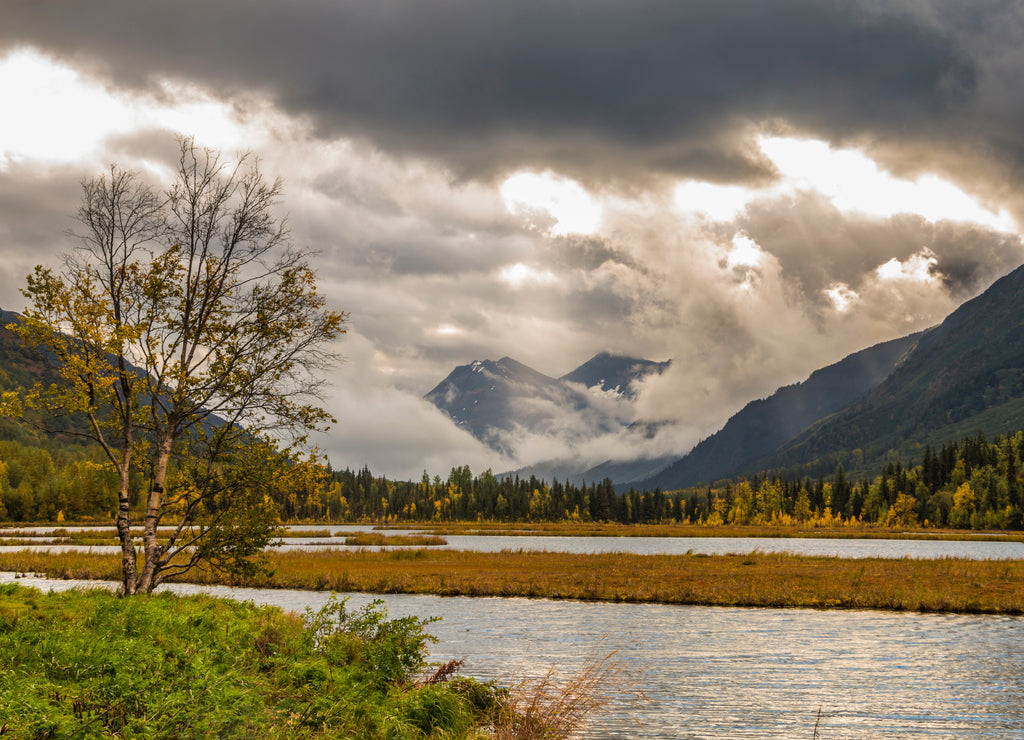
854, 182
519, 274
447, 330
851, 180
717, 202
917, 268
48, 95
572, 207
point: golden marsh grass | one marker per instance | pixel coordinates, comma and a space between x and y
754, 580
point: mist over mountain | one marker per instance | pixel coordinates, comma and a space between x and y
763, 425
505, 403
614, 374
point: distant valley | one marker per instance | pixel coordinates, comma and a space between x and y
960, 377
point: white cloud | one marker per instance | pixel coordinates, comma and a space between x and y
718, 202
745, 252
575, 211
842, 296
855, 183
917, 268
393, 431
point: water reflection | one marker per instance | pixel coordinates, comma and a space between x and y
819, 547
811, 546
738, 673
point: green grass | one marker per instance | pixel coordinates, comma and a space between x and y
88, 664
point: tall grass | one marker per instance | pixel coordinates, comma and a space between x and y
757, 579
780, 531
556, 706
378, 539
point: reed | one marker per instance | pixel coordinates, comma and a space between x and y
556, 706
379, 539
754, 580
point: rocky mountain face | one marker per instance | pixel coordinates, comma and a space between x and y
614, 374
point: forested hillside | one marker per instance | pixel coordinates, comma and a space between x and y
969, 370
965, 375
970, 483
763, 425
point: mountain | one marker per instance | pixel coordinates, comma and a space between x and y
624, 475
21, 367
492, 400
965, 375
762, 426
614, 374
502, 402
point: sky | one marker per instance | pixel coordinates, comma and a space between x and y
751, 188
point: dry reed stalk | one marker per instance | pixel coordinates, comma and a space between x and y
443, 672
553, 708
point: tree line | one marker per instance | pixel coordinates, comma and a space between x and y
971, 484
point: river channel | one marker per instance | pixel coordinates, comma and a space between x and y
727, 673
976, 549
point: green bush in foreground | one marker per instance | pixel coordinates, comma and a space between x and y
87, 664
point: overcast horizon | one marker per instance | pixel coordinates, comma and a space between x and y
751, 189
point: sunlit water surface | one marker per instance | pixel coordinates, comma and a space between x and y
734, 673
824, 547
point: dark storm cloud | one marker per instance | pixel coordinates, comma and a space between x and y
847, 246
35, 212
617, 86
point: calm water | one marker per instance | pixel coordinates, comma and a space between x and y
846, 548
738, 673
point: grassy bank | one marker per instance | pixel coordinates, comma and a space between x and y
606, 529
767, 580
71, 535
87, 664
381, 539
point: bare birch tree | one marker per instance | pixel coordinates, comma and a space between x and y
189, 333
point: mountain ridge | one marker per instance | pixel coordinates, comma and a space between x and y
500, 402
965, 368
764, 424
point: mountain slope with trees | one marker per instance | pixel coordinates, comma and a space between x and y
763, 425
965, 375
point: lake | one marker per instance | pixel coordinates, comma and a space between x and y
819, 547
812, 546
726, 673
